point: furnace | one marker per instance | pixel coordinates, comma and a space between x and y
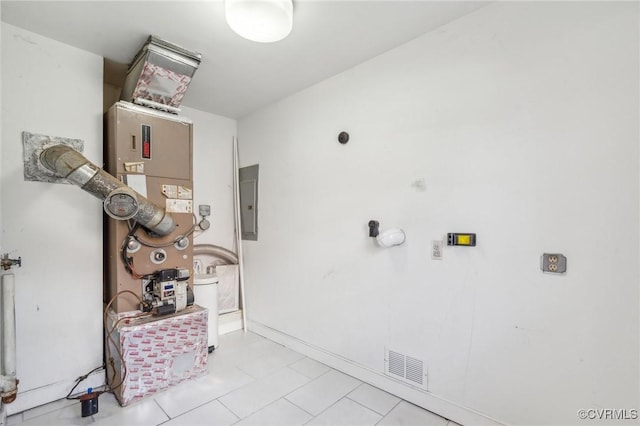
151, 151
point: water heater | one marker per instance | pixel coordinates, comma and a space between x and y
152, 153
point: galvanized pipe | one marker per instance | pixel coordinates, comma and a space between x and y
68, 163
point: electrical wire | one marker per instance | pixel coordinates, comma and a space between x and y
110, 341
126, 260
109, 386
128, 265
82, 379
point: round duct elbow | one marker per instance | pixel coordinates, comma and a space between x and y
68, 163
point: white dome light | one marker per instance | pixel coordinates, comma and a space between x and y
264, 21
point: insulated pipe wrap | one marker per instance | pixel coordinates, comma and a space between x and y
9, 325
8, 381
217, 251
68, 163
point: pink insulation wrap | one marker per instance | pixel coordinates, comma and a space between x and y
158, 352
161, 85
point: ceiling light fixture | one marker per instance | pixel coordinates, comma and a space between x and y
264, 21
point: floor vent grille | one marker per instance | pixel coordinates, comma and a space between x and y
406, 368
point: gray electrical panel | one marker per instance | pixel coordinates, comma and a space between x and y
249, 202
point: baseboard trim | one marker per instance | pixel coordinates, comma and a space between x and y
45, 394
419, 397
230, 322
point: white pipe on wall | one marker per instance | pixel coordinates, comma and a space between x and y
8, 382
8, 325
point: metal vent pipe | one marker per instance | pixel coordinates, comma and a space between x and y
68, 163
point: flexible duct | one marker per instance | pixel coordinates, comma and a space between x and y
217, 251
68, 163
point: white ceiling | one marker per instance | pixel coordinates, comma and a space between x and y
237, 76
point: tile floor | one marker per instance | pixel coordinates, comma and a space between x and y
251, 381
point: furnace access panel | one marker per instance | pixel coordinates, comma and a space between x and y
152, 152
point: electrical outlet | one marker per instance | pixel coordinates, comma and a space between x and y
555, 263
436, 249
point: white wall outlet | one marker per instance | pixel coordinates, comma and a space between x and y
554, 263
436, 249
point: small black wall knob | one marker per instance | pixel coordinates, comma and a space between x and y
374, 228
343, 137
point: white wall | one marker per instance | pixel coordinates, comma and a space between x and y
1, 233
213, 174
518, 122
52, 89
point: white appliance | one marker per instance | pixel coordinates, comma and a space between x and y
205, 289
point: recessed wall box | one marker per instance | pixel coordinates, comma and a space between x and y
461, 239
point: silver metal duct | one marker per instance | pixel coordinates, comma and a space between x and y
65, 162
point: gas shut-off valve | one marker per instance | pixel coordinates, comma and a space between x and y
7, 263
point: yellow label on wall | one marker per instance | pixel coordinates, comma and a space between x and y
464, 239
